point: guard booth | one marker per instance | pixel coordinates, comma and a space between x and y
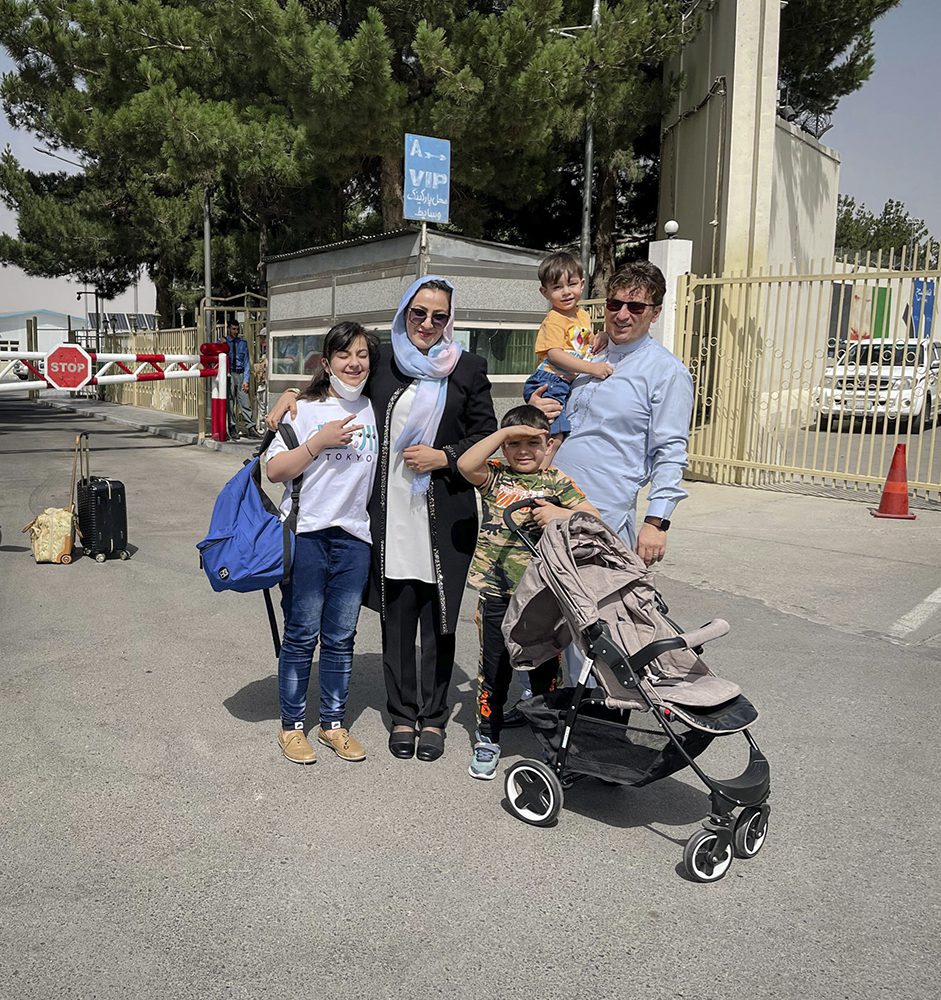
498, 305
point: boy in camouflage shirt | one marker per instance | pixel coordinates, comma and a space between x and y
501, 557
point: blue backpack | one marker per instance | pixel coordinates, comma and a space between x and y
248, 546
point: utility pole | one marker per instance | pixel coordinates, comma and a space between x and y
207, 262
589, 159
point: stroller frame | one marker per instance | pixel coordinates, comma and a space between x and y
535, 789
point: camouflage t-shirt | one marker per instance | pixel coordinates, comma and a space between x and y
501, 557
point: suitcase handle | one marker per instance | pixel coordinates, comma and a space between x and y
84, 458
74, 468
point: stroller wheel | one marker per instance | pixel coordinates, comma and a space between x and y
751, 828
696, 857
534, 792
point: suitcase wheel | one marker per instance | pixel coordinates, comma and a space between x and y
100, 557
65, 560
124, 554
87, 552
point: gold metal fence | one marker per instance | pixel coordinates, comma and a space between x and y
807, 382
188, 397
179, 396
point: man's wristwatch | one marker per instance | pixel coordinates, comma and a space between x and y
658, 522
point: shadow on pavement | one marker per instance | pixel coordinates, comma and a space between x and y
668, 803
147, 441
257, 701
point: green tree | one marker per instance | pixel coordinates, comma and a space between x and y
516, 95
826, 50
291, 114
858, 230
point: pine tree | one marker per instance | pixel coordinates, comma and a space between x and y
826, 50
858, 230
291, 113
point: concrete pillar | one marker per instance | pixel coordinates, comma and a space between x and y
717, 155
753, 93
673, 257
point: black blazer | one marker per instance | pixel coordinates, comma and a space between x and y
452, 507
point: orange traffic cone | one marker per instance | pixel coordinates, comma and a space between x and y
894, 502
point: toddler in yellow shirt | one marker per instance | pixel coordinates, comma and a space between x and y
564, 341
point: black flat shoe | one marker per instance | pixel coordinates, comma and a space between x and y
402, 744
430, 745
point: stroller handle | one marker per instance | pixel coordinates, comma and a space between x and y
715, 629
526, 504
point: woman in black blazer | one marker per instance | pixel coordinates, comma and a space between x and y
432, 402
423, 513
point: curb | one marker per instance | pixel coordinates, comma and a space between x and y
156, 430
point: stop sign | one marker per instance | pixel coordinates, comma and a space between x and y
68, 367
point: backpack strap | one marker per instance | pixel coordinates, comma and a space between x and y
289, 525
273, 623
290, 522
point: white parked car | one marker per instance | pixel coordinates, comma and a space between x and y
876, 378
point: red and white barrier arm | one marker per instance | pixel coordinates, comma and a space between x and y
209, 363
8, 360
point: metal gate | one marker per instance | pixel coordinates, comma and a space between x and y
806, 382
250, 311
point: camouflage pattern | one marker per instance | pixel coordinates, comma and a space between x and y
501, 557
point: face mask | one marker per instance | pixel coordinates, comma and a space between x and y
344, 391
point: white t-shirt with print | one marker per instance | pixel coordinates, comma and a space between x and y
338, 482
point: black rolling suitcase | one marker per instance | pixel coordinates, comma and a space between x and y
102, 511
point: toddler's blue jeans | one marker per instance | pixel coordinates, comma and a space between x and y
557, 389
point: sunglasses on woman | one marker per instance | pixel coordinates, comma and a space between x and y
438, 320
634, 308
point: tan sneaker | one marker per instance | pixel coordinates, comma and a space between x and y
296, 747
342, 743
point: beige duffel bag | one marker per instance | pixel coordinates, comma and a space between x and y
51, 535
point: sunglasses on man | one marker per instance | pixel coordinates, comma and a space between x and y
438, 320
634, 308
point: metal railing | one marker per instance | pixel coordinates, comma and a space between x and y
181, 398
807, 381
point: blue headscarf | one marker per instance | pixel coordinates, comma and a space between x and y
431, 370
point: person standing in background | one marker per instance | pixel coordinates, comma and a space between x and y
239, 371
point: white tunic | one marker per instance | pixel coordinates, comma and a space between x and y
338, 482
408, 530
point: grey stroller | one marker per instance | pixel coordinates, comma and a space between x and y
584, 585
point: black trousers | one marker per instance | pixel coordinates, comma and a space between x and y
495, 671
417, 691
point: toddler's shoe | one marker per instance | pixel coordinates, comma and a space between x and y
484, 762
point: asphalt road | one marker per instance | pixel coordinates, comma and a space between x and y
863, 448
155, 844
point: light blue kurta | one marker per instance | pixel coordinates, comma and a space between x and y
628, 430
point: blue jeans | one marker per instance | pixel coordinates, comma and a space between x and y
321, 601
557, 389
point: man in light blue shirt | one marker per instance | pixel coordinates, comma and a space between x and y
632, 427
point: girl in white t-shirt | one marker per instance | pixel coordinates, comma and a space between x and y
338, 454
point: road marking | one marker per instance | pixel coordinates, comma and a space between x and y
917, 616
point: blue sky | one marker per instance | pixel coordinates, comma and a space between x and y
887, 133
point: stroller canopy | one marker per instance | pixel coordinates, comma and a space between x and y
585, 573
